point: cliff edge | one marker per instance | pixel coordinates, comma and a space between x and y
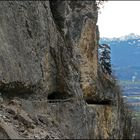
50, 83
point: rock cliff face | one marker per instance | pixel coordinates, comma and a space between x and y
49, 51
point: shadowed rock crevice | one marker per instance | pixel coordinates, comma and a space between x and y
28, 29
102, 102
57, 16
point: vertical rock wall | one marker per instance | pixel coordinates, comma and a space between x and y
77, 23
49, 47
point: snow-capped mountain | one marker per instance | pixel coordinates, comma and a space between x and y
126, 37
128, 40
130, 36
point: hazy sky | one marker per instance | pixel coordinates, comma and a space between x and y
119, 18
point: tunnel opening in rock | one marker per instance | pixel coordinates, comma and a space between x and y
57, 96
100, 102
15, 89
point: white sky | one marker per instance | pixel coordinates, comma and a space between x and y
119, 18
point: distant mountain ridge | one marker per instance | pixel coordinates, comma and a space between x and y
126, 37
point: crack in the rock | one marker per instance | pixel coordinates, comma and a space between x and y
28, 30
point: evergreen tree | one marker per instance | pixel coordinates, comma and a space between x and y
104, 58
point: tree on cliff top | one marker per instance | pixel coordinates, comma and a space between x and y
100, 4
